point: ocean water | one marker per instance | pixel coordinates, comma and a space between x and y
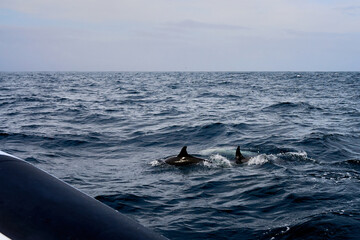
106, 133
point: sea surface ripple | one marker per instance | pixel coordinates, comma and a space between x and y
106, 133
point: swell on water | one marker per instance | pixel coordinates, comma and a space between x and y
108, 133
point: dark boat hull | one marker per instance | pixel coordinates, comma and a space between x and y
36, 205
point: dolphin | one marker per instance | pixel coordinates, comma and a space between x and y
239, 158
183, 159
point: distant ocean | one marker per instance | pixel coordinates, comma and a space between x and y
106, 133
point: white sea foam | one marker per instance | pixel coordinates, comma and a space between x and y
299, 154
156, 163
302, 155
218, 161
258, 160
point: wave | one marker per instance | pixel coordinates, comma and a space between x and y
289, 106
24, 136
32, 99
4, 103
32, 160
57, 141
177, 135
2, 134
323, 136
331, 225
331, 146
127, 202
353, 162
301, 136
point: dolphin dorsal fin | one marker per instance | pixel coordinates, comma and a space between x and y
238, 154
183, 152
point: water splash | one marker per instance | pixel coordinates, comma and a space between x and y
156, 163
218, 150
296, 156
258, 160
218, 161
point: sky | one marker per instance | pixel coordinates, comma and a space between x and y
179, 35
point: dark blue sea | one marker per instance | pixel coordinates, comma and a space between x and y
107, 133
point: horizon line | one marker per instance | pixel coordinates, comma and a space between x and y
174, 71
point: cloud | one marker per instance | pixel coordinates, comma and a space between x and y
191, 24
351, 10
320, 34
179, 35
315, 15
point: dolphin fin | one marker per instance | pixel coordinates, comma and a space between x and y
238, 154
183, 152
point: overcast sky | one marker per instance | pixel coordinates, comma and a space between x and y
179, 35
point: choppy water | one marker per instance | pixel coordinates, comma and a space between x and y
105, 132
